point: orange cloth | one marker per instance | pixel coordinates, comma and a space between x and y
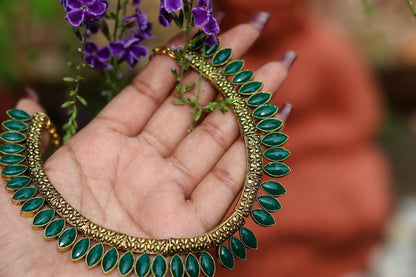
338, 192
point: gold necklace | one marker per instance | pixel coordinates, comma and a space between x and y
27, 179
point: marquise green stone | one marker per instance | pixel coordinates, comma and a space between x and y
277, 154
238, 249
24, 194
176, 266
8, 149
276, 169
67, 238
43, 218
79, 250
265, 111
242, 77
222, 57
110, 260
54, 228
12, 137
192, 266
225, 257
262, 217
13, 171
210, 50
269, 203
159, 266
12, 159
18, 115
143, 265
207, 264
233, 67
95, 255
32, 205
251, 88
259, 99
269, 125
126, 263
273, 188
14, 125
248, 238
17, 183
275, 139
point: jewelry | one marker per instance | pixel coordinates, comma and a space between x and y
28, 181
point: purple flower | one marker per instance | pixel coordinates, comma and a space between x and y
203, 17
97, 57
136, 2
128, 50
166, 8
81, 11
141, 26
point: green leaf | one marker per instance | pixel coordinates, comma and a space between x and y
73, 92
178, 102
82, 100
70, 80
190, 86
104, 28
67, 104
198, 115
192, 101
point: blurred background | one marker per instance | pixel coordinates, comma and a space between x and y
36, 44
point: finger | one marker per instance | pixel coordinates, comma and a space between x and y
217, 133
176, 119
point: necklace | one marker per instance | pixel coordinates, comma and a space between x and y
27, 179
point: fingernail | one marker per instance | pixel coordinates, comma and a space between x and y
288, 58
29, 93
284, 111
260, 20
219, 16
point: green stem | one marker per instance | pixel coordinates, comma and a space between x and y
198, 109
412, 7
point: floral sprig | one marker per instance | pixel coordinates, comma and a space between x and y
412, 7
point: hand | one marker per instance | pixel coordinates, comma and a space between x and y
137, 170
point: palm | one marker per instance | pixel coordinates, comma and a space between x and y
135, 168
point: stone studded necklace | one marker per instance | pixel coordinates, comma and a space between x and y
22, 169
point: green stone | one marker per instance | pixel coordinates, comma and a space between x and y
259, 99
159, 266
242, 77
32, 206
110, 260
222, 57
192, 266
277, 154
13, 171
233, 67
54, 229
251, 87
207, 264
12, 160
210, 50
248, 238
94, 256
126, 263
142, 265
43, 218
23, 194
269, 203
238, 249
273, 188
18, 115
276, 169
8, 149
225, 257
14, 125
265, 111
269, 125
17, 183
67, 238
176, 266
79, 250
274, 139
12, 137
262, 218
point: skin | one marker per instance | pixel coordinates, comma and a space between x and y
136, 169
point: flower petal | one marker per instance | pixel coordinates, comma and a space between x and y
116, 47
203, 3
73, 4
200, 16
98, 8
138, 52
90, 47
75, 17
104, 53
164, 18
173, 5
211, 28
